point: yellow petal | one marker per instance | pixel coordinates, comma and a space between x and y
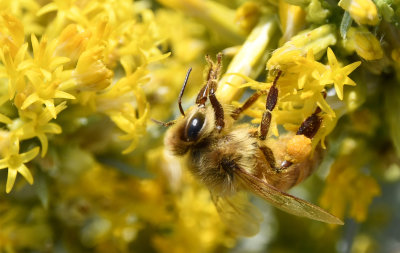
50, 106
12, 175
350, 82
35, 44
14, 145
52, 128
350, 68
62, 94
30, 100
44, 142
332, 58
27, 156
24, 171
47, 8
21, 53
58, 61
130, 148
4, 119
339, 90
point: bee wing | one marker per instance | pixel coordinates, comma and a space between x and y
238, 214
284, 201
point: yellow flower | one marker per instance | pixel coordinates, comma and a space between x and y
303, 83
216, 16
15, 162
186, 39
43, 55
133, 126
90, 73
317, 39
72, 42
11, 33
364, 12
347, 188
198, 227
66, 11
45, 74
338, 75
25, 11
32, 233
40, 126
14, 69
307, 68
46, 91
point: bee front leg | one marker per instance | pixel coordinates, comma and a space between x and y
249, 102
218, 109
209, 91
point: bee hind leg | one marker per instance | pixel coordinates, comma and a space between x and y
308, 128
311, 125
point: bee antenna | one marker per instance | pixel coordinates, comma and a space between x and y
182, 90
165, 124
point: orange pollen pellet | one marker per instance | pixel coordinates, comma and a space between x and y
299, 148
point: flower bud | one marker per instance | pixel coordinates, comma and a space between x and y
364, 12
364, 43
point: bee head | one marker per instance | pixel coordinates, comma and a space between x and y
189, 130
194, 126
200, 121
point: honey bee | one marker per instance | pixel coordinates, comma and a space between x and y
232, 158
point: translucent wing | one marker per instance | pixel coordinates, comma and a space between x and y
238, 214
284, 201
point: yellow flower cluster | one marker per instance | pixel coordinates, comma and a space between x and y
67, 70
345, 172
73, 65
303, 85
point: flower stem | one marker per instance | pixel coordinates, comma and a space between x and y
250, 59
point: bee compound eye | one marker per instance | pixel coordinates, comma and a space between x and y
194, 127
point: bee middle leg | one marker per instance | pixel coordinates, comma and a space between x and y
272, 99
